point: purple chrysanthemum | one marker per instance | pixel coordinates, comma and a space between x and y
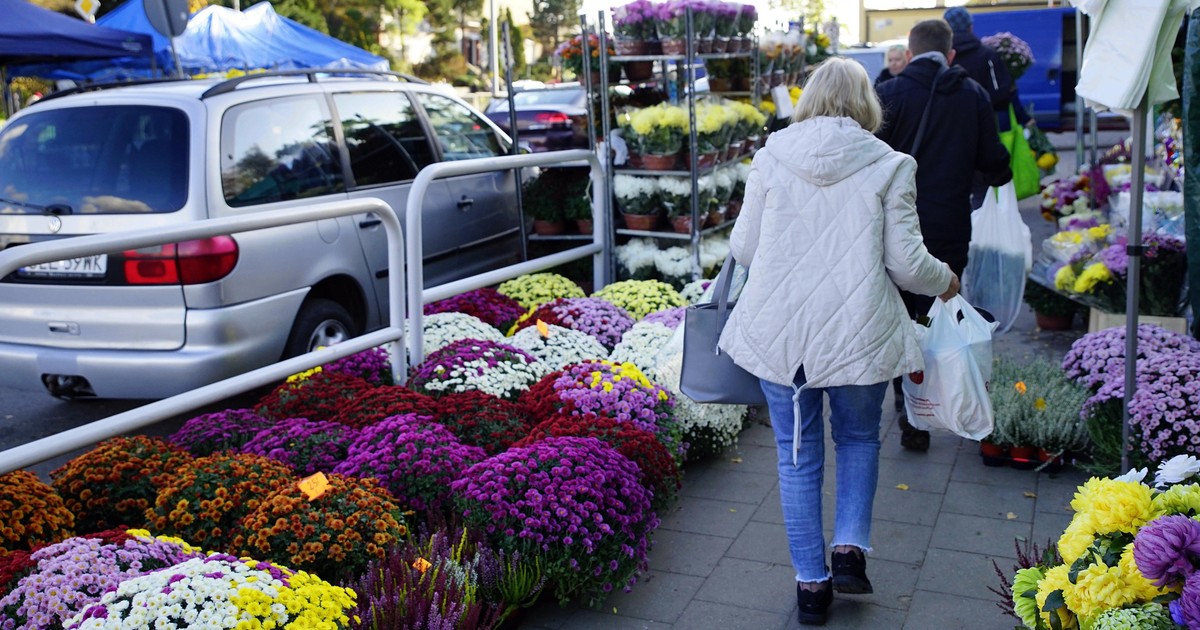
223, 430
307, 446
1165, 548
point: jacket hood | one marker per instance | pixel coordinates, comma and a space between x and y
923, 70
825, 150
966, 42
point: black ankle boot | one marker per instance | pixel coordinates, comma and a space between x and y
912, 438
814, 605
850, 573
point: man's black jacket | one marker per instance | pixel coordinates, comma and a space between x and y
960, 138
987, 68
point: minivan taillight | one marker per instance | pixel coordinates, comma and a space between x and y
189, 262
552, 119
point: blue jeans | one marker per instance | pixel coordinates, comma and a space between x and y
855, 412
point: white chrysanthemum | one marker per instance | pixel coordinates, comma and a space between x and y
442, 329
694, 290
673, 262
637, 254
1135, 475
640, 346
742, 171
505, 380
1176, 469
707, 428
675, 186
627, 187
560, 348
713, 252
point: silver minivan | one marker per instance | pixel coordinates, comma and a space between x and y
154, 322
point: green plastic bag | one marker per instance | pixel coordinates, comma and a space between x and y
1026, 175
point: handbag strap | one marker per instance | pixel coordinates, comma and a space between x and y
925, 114
720, 297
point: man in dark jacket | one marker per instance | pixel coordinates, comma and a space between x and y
957, 139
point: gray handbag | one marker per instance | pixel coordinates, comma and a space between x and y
709, 375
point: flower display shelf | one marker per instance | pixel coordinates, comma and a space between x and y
1099, 320
666, 232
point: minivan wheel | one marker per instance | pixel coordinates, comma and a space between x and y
320, 323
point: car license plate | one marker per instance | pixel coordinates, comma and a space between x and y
85, 267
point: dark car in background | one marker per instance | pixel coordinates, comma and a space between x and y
550, 119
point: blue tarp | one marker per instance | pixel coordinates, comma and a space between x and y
217, 39
29, 33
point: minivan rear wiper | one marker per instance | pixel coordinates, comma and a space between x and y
23, 204
54, 208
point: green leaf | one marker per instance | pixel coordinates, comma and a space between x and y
1054, 601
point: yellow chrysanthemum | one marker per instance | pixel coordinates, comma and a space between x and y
1076, 538
1178, 499
1056, 580
1067, 238
1064, 279
1100, 232
1092, 275
1098, 588
303, 375
1142, 589
1113, 506
1020, 387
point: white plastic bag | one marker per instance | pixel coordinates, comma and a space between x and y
952, 392
1000, 257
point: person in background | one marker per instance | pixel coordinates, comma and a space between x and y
894, 61
957, 137
985, 66
828, 230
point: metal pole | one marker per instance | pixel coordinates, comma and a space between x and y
512, 125
1079, 109
606, 165
495, 60
1133, 251
585, 80
694, 149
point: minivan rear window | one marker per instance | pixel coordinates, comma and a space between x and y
107, 159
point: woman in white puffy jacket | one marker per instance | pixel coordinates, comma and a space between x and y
829, 231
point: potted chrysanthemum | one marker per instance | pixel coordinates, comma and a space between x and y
659, 132
638, 201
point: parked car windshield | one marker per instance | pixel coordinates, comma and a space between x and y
95, 160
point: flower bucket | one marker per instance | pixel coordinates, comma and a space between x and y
682, 224
714, 217
625, 46
704, 160
658, 162
993, 454
639, 70
549, 228
704, 45
1023, 457
644, 222
674, 47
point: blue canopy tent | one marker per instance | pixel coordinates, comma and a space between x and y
31, 34
217, 39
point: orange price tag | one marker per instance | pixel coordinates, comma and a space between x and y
421, 564
543, 328
314, 485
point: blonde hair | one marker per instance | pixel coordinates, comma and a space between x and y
840, 87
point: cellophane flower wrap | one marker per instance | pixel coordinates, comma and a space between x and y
317, 396
443, 329
305, 446
641, 297
69, 576
493, 368
334, 535
33, 512
228, 429
558, 347
725, 17
600, 318
635, 20
640, 346
489, 305
636, 195
1066, 196
116, 482
671, 19
1129, 547
373, 366
482, 420
207, 497
620, 391
660, 129
376, 404
220, 592
1013, 51
575, 503
413, 456
659, 471
445, 579
534, 290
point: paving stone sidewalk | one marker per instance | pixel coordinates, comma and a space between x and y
940, 519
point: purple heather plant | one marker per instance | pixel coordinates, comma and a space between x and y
307, 446
670, 317
75, 573
494, 368
1166, 548
574, 502
415, 457
373, 366
489, 305
220, 431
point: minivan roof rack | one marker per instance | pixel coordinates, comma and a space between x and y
96, 87
230, 85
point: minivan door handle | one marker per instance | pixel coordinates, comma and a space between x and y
370, 221
465, 203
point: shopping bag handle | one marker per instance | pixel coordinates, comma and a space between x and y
720, 297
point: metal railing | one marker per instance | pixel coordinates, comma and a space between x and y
410, 243
600, 247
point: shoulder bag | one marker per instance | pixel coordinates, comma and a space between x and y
709, 375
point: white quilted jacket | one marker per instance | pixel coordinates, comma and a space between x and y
829, 230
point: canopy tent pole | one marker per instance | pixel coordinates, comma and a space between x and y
1133, 252
1191, 156
6, 93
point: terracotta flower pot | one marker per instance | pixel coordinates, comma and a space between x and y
721, 44
719, 84
584, 226
658, 162
714, 217
733, 209
625, 46
644, 222
639, 70
1049, 462
1054, 322
549, 228
682, 224
1023, 457
674, 47
704, 45
993, 454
